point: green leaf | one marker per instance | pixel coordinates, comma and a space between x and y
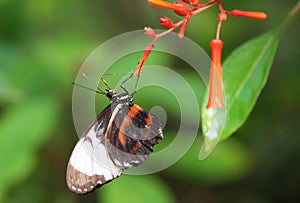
9, 93
136, 189
23, 128
245, 73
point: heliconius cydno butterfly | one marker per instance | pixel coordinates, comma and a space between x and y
121, 137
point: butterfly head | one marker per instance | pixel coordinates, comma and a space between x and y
109, 93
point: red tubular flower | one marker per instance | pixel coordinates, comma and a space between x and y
215, 98
142, 61
162, 4
166, 22
248, 14
180, 8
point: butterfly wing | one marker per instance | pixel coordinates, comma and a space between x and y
132, 135
90, 165
122, 137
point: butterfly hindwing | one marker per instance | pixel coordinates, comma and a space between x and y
90, 165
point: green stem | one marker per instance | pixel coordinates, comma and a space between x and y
290, 18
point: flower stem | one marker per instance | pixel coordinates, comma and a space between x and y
148, 48
290, 18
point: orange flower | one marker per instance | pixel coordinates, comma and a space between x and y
180, 8
249, 14
215, 98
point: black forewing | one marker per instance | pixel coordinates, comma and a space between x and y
101, 122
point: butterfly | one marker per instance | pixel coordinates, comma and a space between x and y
121, 137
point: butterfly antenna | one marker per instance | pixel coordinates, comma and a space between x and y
84, 87
105, 83
94, 84
109, 74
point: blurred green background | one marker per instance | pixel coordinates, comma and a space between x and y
44, 43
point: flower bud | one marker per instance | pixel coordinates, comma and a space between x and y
166, 22
149, 31
193, 2
222, 17
182, 8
